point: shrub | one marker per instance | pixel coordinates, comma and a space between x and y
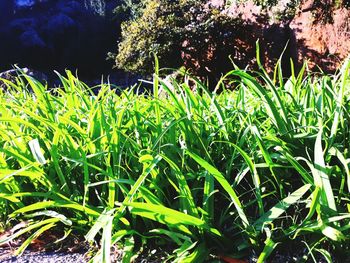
161, 27
191, 33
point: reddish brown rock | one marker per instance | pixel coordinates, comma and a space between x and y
305, 37
323, 44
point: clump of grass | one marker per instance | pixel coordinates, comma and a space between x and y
200, 174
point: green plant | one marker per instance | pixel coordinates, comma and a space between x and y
196, 173
161, 27
140, 37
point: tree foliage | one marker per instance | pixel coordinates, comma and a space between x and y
166, 27
161, 27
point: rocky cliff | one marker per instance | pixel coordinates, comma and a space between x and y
57, 34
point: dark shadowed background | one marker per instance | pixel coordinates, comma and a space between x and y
48, 35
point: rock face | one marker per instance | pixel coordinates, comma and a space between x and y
57, 34
24, 3
12, 74
324, 44
6, 8
302, 37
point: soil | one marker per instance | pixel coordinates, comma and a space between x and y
64, 257
42, 257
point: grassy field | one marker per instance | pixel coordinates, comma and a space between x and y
260, 168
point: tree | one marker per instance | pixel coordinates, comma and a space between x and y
161, 27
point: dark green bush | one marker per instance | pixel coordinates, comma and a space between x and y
161, 27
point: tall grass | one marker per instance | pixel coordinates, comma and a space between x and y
201, 175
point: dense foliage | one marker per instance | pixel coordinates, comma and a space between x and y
161, 27
175, 29
193, 173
